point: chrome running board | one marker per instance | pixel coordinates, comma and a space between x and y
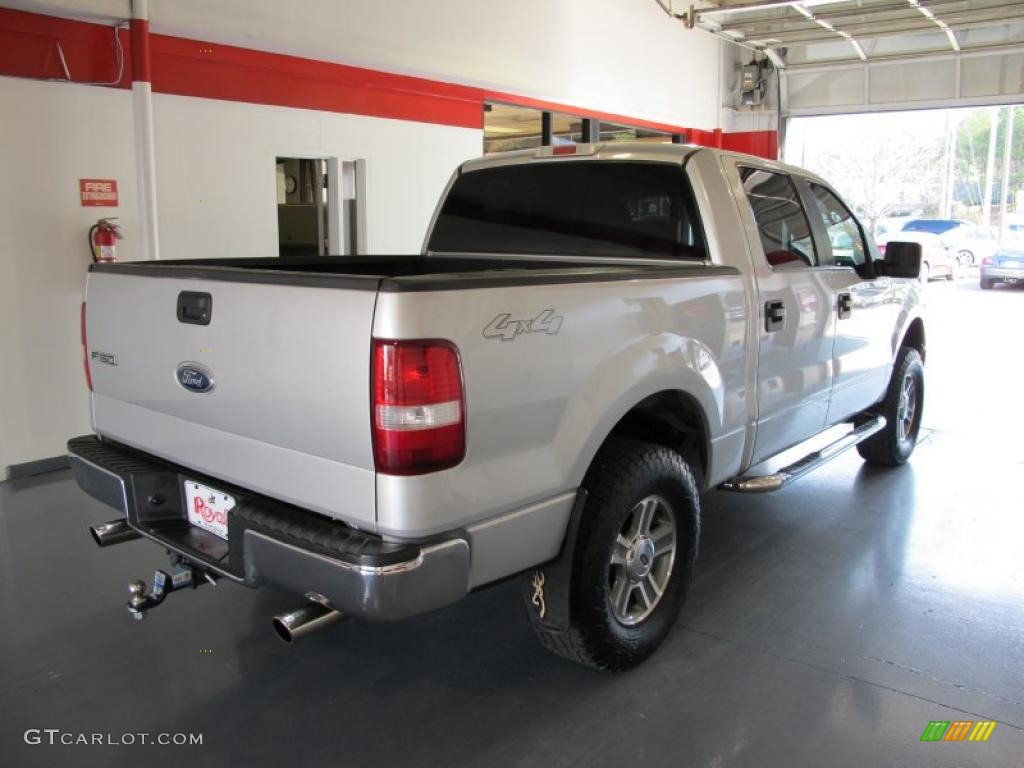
810, 462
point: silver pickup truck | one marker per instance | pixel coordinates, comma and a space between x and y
592, 337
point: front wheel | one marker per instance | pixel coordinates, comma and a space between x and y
902, 407
634, 557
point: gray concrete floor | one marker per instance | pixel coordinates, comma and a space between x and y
828, 624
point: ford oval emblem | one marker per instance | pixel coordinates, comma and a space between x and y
195, 377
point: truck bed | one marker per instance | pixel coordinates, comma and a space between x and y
286, 352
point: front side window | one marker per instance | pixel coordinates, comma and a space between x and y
844, 235
781, 221
572, 207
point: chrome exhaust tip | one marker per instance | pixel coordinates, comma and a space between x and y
303, 621
112, 532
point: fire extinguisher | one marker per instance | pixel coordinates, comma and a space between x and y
103, 237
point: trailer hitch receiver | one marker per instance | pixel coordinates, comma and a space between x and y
178, 576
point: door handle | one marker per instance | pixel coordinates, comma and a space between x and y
845, 305
774, 315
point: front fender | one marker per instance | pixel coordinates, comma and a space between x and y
908, 296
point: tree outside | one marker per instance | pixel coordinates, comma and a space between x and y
971, 152
927, 164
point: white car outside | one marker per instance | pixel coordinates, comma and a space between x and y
973, 243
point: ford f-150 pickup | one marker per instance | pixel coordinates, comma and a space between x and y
591, 338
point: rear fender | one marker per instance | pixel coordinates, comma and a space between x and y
653, 364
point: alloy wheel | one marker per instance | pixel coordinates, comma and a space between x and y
641, 562
906, 408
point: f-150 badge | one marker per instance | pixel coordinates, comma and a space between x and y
505, 328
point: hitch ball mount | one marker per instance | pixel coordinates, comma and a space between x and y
178, 576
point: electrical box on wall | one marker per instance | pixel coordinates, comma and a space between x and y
749, 78
752, 84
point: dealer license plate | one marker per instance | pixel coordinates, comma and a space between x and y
208, 508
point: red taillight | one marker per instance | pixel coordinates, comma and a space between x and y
85, 351
419, 407
988, 261
881, 249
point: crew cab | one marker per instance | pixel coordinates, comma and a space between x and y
591, 338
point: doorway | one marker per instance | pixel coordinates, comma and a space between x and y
319, 207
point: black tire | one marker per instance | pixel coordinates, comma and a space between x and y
987, 284
892, 446
624, 474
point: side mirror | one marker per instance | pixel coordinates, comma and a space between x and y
902, 260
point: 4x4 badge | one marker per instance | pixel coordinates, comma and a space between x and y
505, 328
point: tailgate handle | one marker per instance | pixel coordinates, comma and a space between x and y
195, 308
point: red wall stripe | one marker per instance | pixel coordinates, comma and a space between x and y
185, 67
761, 143
28, 48
196, 68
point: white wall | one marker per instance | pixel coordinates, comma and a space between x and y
51, 135
221, 152
216, 182
215, 159
620, 56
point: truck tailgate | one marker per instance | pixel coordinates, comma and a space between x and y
287, 413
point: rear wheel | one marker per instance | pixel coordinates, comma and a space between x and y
634, 557
987, 284
902, 407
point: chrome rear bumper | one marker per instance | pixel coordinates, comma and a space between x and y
271, 542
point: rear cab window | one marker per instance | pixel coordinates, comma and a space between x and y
596, 208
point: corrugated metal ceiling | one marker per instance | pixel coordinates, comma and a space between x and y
813, 32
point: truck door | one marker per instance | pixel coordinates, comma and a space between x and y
862, 355
795, 299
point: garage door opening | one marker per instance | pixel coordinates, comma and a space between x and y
953, 181
954, 175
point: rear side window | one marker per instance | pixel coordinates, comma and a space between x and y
577, 208
781, 221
